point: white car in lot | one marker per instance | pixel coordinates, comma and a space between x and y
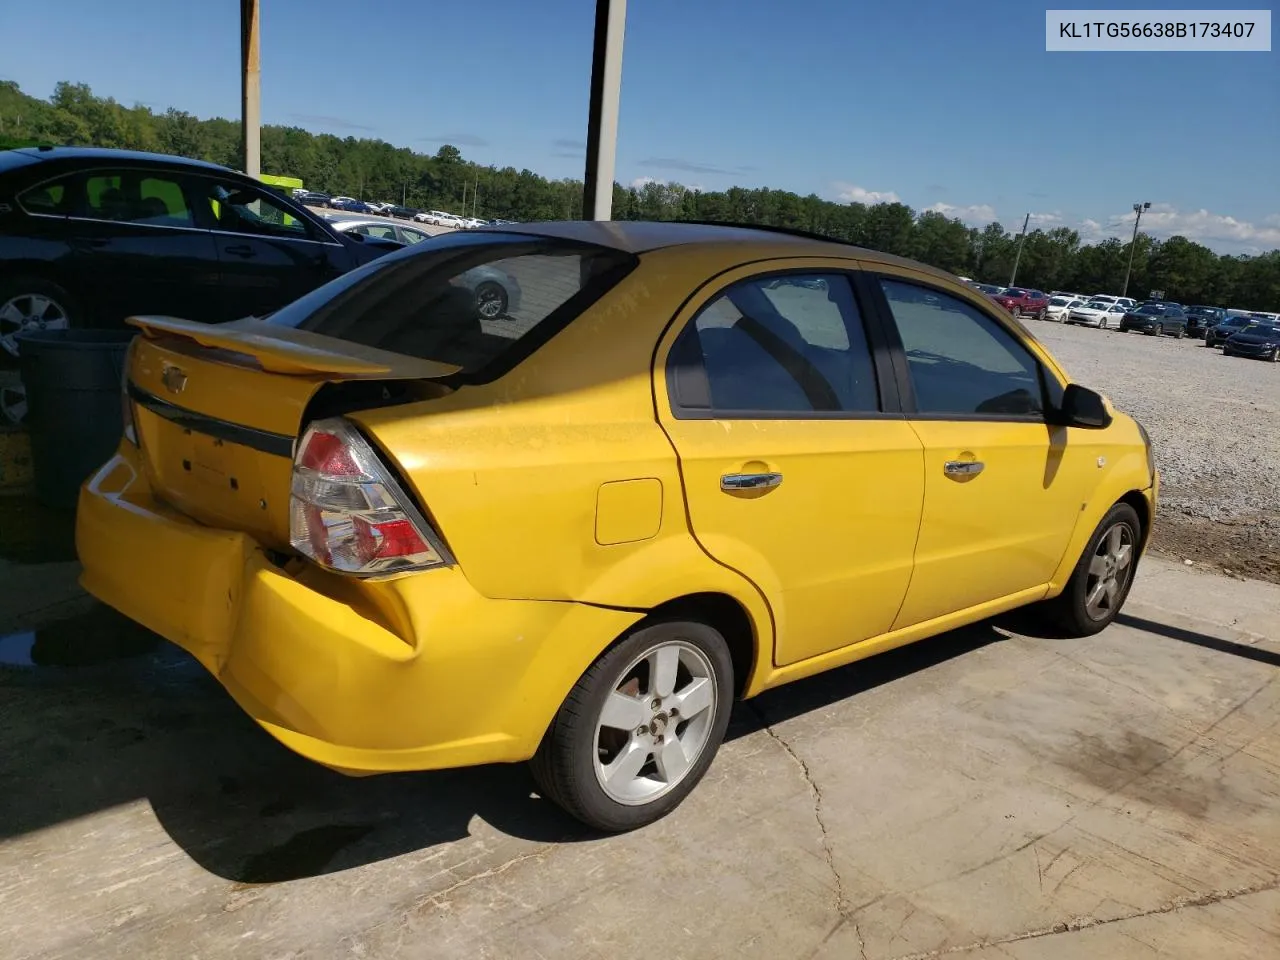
1096, 313
1060, 306
1126, 302
439, 218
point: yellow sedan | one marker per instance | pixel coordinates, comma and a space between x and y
694, 463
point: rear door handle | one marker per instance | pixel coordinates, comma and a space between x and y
962, 468
239, 250
749, 481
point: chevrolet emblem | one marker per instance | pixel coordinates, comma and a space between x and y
174, 379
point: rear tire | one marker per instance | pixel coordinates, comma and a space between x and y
1103, 574
640, 728
30, 303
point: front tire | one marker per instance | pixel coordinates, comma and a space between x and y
1102, 324
1100, 582
1016, 313
640, 728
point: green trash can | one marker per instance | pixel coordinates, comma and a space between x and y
74, 410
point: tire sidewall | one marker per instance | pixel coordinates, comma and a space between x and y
18, 286
601, 809
502, 298
1074, 596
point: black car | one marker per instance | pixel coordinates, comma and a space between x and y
1156, 317
401, 213
1200, 319
313, 198
91, 236
1216, 335
1260, 340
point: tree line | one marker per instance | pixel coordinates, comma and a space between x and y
1052, 259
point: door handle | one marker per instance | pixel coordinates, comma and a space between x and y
962, 468
749, 481
239, 250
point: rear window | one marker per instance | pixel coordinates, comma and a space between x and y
479, 302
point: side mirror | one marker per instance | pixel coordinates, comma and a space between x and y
1082, 407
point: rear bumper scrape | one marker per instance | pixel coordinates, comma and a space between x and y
477, 682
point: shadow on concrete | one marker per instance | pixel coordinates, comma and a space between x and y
78, 739
1242, 650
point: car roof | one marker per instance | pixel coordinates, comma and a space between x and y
107, 155
643, 236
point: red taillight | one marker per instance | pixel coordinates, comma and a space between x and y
327, 453
349, 514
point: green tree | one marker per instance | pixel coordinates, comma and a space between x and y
376, 170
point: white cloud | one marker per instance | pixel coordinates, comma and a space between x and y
853, 194
1211, 229
976, 215
1046, 219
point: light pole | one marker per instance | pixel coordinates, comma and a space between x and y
1133, 244
602, 114
1022, 238
250, 89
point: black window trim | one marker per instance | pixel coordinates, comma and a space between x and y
679, 365
880, 303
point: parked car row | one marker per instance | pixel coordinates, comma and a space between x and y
1103, 310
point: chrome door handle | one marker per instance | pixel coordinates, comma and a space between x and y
962, 468
749, 481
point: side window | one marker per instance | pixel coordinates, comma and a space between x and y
414, 236
379, 230
782, 344
238, 209
962, 362
135, 196
56, 198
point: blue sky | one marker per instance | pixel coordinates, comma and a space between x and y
940, 104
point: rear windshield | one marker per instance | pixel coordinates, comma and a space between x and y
481, 302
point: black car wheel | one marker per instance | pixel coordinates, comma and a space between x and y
491, 300
1181, 332
28, 304
640, 728
1100, 582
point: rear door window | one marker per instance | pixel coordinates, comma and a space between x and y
481, 303
136, 196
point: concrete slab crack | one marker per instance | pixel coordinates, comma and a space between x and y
1088, 923
436, 898
844, 909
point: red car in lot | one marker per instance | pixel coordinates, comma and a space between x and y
1020, 302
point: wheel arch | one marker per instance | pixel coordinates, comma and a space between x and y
728, 617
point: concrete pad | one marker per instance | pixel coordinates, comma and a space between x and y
985, 794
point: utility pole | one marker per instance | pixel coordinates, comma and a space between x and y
250, 89
1022, 238
1133, 244
602, 115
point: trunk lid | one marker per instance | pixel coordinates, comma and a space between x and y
218, 410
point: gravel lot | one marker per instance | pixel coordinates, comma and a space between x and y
1215, 423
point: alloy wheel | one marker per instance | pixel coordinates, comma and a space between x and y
491, 301
1109, 571
27, 312
655, 723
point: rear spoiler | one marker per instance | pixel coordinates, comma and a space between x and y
284, 350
